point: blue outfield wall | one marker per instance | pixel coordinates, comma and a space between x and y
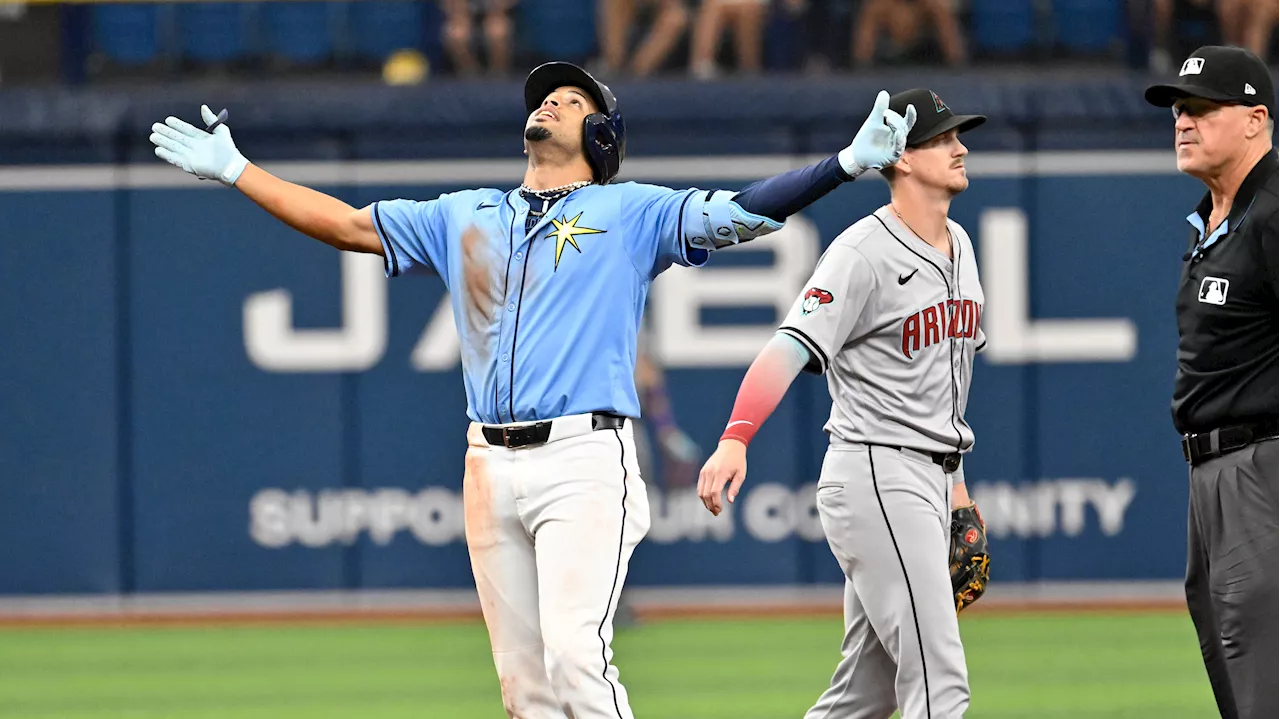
168, 427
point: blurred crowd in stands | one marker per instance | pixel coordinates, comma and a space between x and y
409, 41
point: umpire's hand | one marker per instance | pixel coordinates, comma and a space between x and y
728, 466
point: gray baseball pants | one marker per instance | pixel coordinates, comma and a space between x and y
1232, 577
887, 516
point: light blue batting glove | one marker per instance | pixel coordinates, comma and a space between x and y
207, 155
881, 139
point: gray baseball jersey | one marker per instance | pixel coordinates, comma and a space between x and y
894, 323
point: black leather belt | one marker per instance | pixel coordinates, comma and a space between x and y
949, 461
1204, 446
528, 435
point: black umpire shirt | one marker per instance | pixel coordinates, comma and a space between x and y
1227, 312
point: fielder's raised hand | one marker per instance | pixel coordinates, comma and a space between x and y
207, 155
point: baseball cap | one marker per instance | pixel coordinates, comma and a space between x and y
1222, 74
933, 116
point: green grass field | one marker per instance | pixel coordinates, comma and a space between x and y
1134, 665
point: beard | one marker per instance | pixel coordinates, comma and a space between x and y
537, 133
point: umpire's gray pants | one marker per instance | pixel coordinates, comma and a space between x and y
887, 517
1232, 577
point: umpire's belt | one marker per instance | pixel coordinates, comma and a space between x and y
1204, 446
949, 461
534, 433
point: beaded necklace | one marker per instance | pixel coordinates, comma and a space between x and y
548, 197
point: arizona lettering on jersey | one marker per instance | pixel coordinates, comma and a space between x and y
945, 320
897, 337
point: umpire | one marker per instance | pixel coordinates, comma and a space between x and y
1225, 392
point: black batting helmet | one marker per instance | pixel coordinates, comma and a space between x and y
604, 136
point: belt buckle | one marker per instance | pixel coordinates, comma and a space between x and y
1186, 447
950, 462
511, 435
520, 436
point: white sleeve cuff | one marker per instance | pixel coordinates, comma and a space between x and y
847, 162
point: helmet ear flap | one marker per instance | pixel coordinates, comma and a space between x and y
605, 144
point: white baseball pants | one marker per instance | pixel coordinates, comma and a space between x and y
550, 529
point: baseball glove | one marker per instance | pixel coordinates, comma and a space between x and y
970, 563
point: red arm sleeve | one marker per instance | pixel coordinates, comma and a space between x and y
766, 382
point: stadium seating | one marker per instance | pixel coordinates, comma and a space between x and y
300, 32
557, 29
1087, 26
213, 33
1002, 27
126, 35
380, 27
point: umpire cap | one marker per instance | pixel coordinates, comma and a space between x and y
604, 135
933, 116
1229, 75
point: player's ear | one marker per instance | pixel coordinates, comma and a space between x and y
903, 165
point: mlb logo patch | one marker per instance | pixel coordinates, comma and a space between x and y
1213, 290
1192, 66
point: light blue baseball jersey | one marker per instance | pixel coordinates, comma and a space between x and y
548, 319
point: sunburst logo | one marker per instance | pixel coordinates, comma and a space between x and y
566, 231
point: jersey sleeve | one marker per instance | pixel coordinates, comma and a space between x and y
824, 315
683, 226
413, 234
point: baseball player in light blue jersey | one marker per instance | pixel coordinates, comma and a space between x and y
548, 282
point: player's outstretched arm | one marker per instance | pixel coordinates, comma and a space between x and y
214, 156
879, 143
312, 213
763, 387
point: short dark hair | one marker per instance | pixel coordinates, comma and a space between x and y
889, 173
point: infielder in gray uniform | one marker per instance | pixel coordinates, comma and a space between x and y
892, 316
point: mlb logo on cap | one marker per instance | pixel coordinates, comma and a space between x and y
1226, 75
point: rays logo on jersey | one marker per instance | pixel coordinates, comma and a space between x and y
565, 232
945, 320
813, 299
